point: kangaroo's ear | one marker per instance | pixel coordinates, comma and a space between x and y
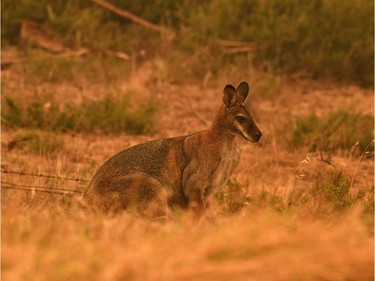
243, 91
230, 95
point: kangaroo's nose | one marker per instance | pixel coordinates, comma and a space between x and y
257, 136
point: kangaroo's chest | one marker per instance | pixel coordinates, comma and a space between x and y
227, 162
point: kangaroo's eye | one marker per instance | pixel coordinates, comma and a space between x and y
241, 119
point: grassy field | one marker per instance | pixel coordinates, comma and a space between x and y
284, 217
301, 203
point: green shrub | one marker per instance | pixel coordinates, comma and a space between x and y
236, 196
109, 115
93, 67
38, 142
112, 115
233, 197
329, 195
368, 210
338, 130
334, 192
83, 23
323, 39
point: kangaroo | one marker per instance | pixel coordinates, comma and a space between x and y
180, 172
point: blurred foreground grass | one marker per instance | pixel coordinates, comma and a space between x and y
61, 241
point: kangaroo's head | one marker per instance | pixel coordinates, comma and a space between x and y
237, 119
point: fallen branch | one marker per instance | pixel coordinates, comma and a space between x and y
32, 32
8, 61
230, 43
128, 15
120, 55
233, 47
243, 49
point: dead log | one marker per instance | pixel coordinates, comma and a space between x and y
32, 32
7, 61
128, 15
233, 47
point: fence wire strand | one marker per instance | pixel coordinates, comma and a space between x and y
44, 189
42, 176
9, 185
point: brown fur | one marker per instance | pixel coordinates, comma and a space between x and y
178, 172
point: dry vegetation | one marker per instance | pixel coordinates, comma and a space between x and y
268, 225
300, 206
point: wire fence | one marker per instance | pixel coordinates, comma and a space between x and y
42, 176
44, 189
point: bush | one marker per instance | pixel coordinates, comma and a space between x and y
329, 195
109, 115
94, 68
38, 142
338, 130
335, 192
233, 197
323, 39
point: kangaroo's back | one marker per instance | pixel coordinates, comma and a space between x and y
130, 174
152, 158
176, 172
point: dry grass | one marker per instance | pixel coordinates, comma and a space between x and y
53, 237
59, 244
